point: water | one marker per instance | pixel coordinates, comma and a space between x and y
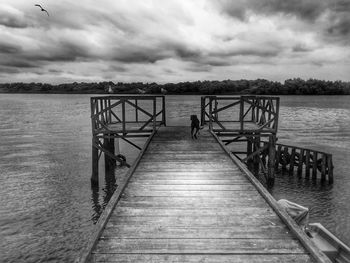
48, 209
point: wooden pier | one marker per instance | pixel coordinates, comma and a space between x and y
187, 200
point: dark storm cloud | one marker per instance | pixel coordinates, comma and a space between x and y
64, 51
300, 48
117, 68
9, 48
340, 27
329, 17
305, 9
8, 70
18, 63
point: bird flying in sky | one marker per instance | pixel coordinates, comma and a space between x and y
42, 9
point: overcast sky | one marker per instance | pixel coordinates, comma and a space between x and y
173, 40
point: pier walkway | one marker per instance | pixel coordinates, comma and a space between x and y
189, 200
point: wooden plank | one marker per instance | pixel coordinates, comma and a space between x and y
185, 157
196, 221
188, 202
206, 258
218, 211
195, 246
186, 175
156, 231
191, 182
169, 193
137, 186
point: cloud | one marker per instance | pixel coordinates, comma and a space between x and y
304, 9
9, 48
12, 17
173, 40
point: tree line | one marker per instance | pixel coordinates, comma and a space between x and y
294, 86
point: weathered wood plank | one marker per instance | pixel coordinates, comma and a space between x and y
186, 156
207, 258
188, 175
218, 211
190, 202
135, 186
185, 166
233, 194
189, 246
191, 182
164, 232
197, 221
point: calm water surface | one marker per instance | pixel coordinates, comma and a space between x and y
48, 209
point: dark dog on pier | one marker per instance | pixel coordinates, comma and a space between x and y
194, 126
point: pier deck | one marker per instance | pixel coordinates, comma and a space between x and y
188, 201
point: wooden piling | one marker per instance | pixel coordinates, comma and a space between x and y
278, 155
292, 162
307, 164
285, 158
271, 162
330, 169
249, 152
323, 169
256, 159
301, 162
94, 174
314, 165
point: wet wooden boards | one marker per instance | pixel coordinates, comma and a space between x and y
188, 202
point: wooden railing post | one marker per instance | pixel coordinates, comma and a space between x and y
277, 110
210, 113
241, 112
123, 116
136, 111
202, 110
271, 163
163, 112
154, 113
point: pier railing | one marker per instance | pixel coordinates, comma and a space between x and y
304, 161
115, 118
244, 114
127, 115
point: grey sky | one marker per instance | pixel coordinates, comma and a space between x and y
174, 40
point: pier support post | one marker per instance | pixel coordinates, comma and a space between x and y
94, 174
256, 159
249, 152
271, 163
108, 144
